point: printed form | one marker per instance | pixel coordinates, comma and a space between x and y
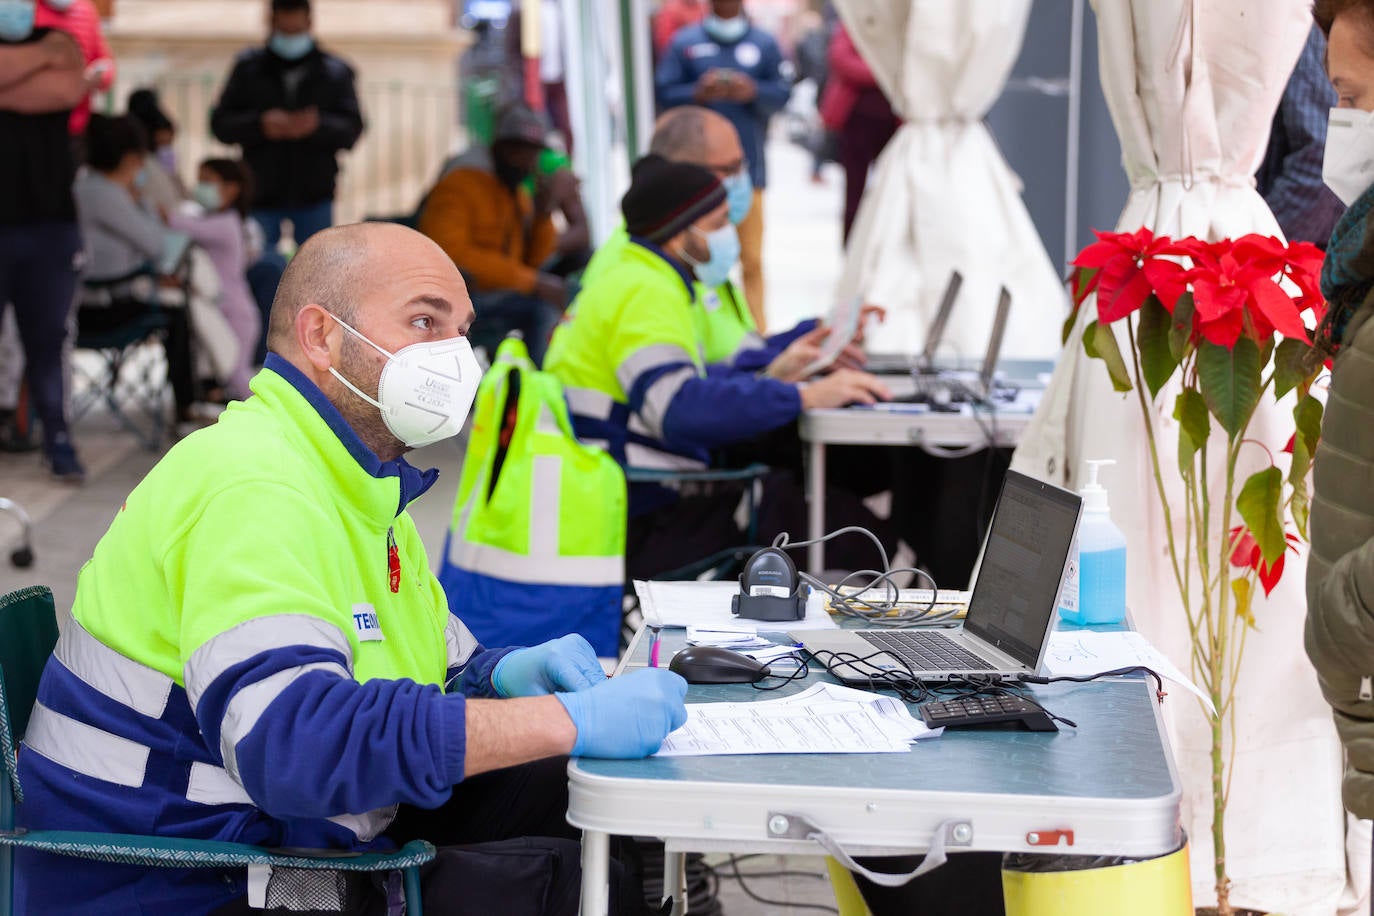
825, 719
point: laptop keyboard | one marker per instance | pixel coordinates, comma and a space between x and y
924, 651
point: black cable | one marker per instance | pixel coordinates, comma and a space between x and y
734, 864
800, 671
1160, 692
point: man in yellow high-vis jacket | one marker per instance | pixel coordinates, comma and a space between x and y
258, 651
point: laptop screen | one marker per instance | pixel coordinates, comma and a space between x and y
1027, 548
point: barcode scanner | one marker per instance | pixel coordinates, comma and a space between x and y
770, 589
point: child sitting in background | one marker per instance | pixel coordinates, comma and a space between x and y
219, 225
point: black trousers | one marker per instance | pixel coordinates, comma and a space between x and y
505, 847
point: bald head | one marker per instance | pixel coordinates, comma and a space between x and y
699, 136
341, 268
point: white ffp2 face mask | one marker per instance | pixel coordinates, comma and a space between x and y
426, 389
1348, 166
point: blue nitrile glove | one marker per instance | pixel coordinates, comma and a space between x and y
565, 663
627, 716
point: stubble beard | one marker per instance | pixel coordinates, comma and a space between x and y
365, 419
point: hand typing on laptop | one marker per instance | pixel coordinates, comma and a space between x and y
843, 387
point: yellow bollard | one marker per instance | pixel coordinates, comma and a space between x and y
1155, 887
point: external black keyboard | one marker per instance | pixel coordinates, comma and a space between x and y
924, 651
990, 710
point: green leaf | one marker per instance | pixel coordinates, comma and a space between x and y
1181, 328
1099, 342
1230, 382
1195, 425
1259, 504
1157, 361
1242, 591
1300, 506
1307, 418
1289, 365
1307, 421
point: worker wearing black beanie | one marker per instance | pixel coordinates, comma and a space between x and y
666, 197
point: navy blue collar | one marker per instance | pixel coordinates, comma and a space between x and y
687, 279
414, 482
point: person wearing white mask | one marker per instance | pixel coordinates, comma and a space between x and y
41, 82
732, 67
293, 107
266, 585
1340, 568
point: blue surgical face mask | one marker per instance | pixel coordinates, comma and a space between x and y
141, 178
723, 245
291, 47
16, 19
208, 196
739, 195
726, 31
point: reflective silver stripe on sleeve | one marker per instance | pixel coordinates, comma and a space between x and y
659, 395
261, 634
249, 704
142, 689
590, 403
367, 827
646, 358
212, 785
752, 340
515, 567
643, 457
85, 749
460, 642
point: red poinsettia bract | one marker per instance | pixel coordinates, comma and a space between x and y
1246, 555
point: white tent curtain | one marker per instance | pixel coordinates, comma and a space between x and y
942, 198
1192, 87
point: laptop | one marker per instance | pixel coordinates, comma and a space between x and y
1011, 610
902, 363
944, 387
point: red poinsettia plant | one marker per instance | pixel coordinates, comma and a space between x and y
1215, 326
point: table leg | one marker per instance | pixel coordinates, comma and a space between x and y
815, 494
675, 880
596, 871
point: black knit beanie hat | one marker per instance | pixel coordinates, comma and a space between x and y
666, 197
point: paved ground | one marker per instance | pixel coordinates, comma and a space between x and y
802, 258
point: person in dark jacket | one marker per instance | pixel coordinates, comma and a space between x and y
292, 106
1340, 568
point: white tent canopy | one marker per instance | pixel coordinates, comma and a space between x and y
942, 198
1192, 88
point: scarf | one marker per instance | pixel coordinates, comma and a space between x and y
1347, 272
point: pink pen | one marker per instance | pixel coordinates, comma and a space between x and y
653, 647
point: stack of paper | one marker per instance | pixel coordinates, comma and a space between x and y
685, 604
744, 641
825, 719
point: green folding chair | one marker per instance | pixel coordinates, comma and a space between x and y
28, 633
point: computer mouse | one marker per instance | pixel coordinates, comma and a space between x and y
716, 665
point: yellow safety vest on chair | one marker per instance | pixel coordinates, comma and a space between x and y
536, 549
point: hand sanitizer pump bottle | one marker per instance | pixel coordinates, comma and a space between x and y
1095, 585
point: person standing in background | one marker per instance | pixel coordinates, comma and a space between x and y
1290, 177
42, 79
855, 111
552, 66
730, 66
81, 20
162, 188
292, 107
